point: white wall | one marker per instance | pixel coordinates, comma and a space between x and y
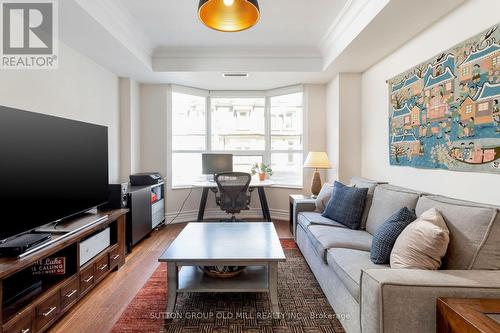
466, 21
154, 153
130, 131
80, 89
343, 113
153, 100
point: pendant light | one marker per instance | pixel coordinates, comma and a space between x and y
229, 15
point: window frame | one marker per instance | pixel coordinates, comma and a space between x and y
266, 153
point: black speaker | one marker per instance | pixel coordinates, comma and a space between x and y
117, 196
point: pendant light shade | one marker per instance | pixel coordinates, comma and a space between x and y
229, 15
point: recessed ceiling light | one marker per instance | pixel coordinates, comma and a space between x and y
235, 74
229, 15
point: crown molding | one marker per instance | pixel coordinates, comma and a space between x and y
240, 52
355, 16
247, 59
122, 25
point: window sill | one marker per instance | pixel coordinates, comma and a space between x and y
292, 187
183, 187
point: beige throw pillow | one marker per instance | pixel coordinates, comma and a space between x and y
323, 197
423, 243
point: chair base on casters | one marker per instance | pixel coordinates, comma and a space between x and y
232, 219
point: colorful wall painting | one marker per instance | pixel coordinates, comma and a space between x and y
444, 113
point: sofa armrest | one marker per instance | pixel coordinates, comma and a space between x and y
404, 300
301, 206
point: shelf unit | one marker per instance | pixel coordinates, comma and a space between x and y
252, 279
157, 204
32, 303
147, 211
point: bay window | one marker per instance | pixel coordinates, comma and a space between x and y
254, 127
287, 138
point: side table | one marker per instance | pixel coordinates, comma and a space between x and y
468, 315
294, 200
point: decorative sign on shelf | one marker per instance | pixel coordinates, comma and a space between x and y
444, 113
50, 266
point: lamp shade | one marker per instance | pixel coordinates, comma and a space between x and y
317, 160
229, 15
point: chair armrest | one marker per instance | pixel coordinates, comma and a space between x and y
404, 300
299, 206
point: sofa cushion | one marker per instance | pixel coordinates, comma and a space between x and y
474, 232
370, 185
385, 236
327, 237
348, 265
422, 244
346, 205
306, 219
323, 197
387, 200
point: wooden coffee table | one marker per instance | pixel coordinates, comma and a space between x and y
468, 315
252, 244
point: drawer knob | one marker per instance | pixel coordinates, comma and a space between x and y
26, 330
89, 279
103, 267
116, 256
71, 293
52, 309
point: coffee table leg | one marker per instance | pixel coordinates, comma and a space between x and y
172, 282
273, 287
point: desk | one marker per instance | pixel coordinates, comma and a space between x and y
254, 184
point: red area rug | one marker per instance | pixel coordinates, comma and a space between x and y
141, 314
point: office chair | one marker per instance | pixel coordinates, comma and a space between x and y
233, 188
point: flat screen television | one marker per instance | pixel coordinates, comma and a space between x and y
50, 169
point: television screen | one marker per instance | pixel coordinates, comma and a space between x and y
213, 164
50, 169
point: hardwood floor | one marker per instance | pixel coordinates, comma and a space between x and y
101, 308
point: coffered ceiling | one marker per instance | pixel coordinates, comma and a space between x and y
296, 41
283, 23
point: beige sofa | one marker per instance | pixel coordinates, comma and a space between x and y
375, 298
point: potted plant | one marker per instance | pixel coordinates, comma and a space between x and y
261, 169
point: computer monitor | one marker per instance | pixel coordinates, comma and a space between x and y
213, 164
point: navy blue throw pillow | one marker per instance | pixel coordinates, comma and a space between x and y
346, 205
386, 235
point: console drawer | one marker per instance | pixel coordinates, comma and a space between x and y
86, 279
101, 268
93, 245
24, 324
47, 311
114, 257
70, 293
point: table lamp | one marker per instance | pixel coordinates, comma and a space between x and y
316, 160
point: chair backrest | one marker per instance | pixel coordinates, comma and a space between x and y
233, 188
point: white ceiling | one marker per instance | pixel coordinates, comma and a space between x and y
296, 41
283, 23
